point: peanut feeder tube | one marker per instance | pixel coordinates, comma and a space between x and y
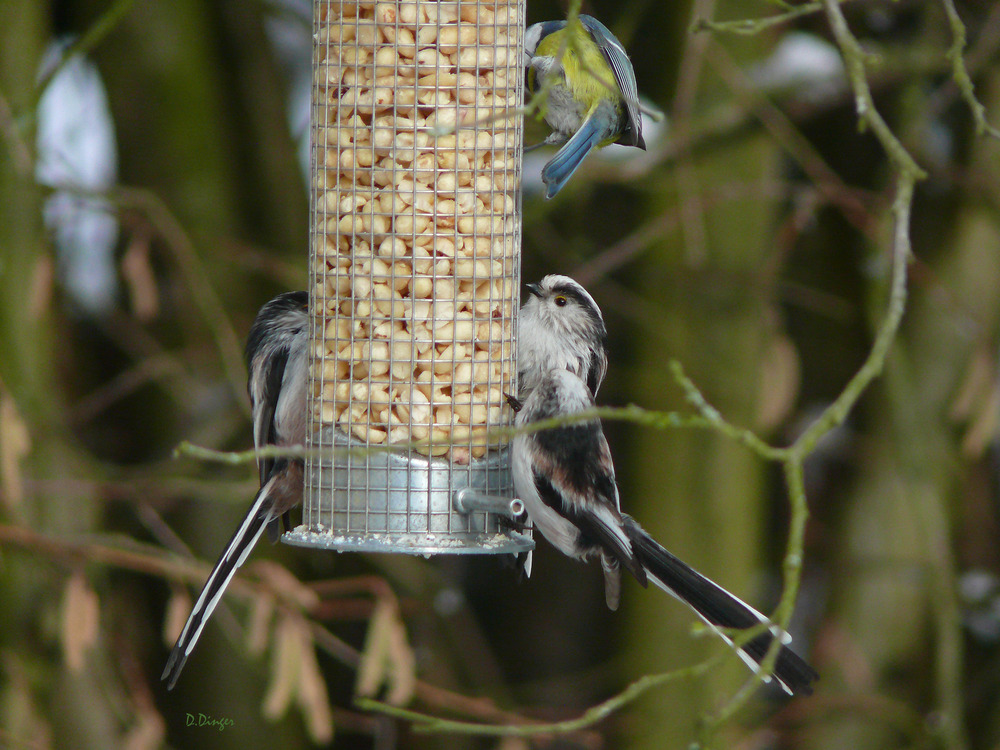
415, 269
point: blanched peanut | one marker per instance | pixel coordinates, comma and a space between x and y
327, 412
461, 329
337, 328
440, 439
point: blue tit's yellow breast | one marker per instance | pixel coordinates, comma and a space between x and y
587, 73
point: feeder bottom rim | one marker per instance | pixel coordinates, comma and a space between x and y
412, 543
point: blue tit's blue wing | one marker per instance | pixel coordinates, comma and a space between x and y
617, 58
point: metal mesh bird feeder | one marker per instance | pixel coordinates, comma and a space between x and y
415, 267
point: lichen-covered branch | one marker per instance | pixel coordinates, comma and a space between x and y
961, 74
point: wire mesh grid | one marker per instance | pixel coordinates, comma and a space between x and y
415, 267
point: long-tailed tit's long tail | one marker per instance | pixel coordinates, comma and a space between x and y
232, 557
719, 609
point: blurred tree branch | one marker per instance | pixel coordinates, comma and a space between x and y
127, 554
214, 314
85, 43
961, 74
751, 26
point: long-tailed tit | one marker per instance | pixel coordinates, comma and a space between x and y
276, 358
560, 327
566, 479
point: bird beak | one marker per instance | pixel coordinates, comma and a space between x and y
534, 290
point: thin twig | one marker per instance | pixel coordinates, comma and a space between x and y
791, 139
590, 717
149, 205
202, 292
961, 74
631, 413
595, 269
854, 64
837, 412
17, 144
908, 172
692, 213
751, 26
712, 418
104, 25
124, 384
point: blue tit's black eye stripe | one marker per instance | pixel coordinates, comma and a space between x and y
550, 27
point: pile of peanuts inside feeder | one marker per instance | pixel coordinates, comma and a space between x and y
415, 265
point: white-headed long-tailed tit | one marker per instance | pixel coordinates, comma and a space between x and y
566, 479
560, 327
276, 359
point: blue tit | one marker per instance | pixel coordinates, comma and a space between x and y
591, 96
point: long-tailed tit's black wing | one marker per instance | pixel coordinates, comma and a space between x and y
574, 475
718, 608
263, 404
598, 367
269, 344
273, 376
566, 478
581, 514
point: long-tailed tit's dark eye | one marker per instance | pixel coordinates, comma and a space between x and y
560, 301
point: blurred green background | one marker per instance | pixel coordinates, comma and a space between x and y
751, 242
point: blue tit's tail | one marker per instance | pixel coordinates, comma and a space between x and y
562, 166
